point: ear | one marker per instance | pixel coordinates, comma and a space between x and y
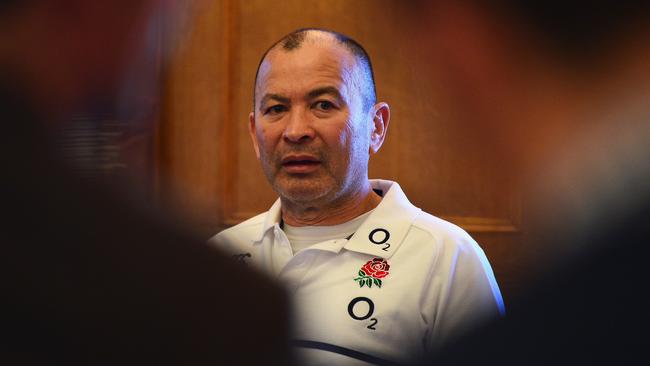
379, 126
252, 132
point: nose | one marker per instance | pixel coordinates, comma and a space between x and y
298, 128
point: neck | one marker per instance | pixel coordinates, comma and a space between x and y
334, 213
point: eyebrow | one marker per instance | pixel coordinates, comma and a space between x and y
325, 90
311, 95
271, 96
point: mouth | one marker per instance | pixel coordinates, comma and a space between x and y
300, 164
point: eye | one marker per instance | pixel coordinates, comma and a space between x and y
324, 105
275, 109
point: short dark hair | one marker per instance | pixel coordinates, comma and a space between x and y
295, 39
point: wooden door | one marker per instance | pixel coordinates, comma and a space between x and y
207, 165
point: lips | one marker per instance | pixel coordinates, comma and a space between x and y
300, 163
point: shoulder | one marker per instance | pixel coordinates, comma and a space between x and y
400, 212
241, 233
461, 263
449, 246
443, 232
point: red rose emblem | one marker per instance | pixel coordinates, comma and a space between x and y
377, 268
372, 272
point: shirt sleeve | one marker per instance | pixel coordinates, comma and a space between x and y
462, 292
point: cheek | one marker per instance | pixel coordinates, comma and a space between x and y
267, 139
340, 140
358, 138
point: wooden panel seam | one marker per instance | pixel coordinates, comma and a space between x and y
228, 161
468, 223
483, 224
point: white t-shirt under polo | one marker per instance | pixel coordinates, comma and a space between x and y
302, 237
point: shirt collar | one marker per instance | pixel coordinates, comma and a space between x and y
381, 234
272, 220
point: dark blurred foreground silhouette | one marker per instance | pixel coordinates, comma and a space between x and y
88, 276
562, 89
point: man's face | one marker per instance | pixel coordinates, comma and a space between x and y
309, 128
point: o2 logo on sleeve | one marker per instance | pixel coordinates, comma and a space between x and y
358, 311
380, 236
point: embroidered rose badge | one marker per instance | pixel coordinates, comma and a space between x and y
372, 272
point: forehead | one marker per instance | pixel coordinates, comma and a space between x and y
310, 65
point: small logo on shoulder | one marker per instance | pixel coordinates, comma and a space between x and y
241, 258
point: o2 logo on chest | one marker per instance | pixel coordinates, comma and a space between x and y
380, 237
358, 311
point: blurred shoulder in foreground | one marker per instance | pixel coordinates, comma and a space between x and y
87, 275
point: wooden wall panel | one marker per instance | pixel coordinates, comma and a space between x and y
191, 145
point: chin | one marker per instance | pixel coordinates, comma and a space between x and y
302, 191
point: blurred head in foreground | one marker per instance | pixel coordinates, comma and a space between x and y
559, 88
63, 52
88, 275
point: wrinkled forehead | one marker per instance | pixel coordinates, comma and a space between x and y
310, 64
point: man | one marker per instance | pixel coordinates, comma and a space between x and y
374, 279
562, 89
87, 276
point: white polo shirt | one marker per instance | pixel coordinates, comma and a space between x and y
404, 283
